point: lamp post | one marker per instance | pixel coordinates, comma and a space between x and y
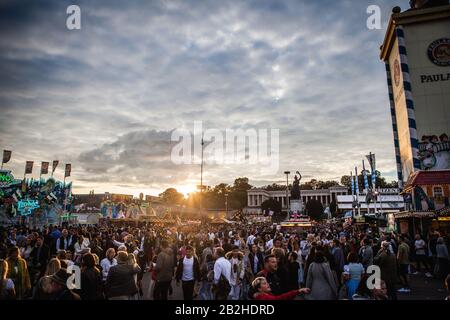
226, 204
287, 189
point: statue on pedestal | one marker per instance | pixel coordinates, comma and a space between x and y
295, 192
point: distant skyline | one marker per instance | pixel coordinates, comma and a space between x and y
107, 97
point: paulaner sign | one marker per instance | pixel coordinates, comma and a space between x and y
424, 78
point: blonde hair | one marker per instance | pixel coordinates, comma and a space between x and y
109, 251
256, 284
96, 259
3, 269
53, 266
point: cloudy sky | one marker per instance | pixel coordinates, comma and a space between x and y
108, 97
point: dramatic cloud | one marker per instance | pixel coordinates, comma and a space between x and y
107, 97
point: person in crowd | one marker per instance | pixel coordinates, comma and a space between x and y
270, 273
91, 279
57, 287
63, 258
207, 276
7, 288
338, 258
108, 262
81, 247
53, 267
403, 254
420, 247
366, 253
164, 271
236, 259
387, 261
39, 257
263, 291
255, 261
188, 272
443, 258
293, 268
26, 247
120, 282
65, 241
18, 273
320, 279
353, 273
222, 276
208, 250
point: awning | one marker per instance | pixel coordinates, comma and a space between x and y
415, 214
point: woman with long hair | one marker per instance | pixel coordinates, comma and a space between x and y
7, 291
320, 279
352, 273
91, 279
18, 273
53, 267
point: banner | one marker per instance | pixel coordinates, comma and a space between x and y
54, 165
371, 159
6, 156
29, 167
44, 167
68, 169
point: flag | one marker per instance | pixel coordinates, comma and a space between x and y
44, 167
54, 165
29, 167
68, 169
371, 158
6, 156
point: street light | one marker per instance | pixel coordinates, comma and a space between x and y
226, 203
287, 189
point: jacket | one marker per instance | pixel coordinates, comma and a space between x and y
366, 256
40, 257
251, 261
285, 296
321, 281
179, 272
91, 284
388, 266
120, 280
164, 265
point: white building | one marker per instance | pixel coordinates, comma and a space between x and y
388, 201
256, 196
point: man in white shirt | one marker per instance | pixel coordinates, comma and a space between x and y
250, 240
222, 268
420, 247
108, 262
188, 271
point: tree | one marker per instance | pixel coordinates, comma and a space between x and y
238, 194
172, 196
274, 187
314, 209
271, 204
333, 208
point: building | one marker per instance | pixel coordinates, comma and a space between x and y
416, 53
256, 196
427, 196
387, 201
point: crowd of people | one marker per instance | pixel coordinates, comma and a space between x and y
242, 261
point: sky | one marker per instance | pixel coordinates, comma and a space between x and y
107, 98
